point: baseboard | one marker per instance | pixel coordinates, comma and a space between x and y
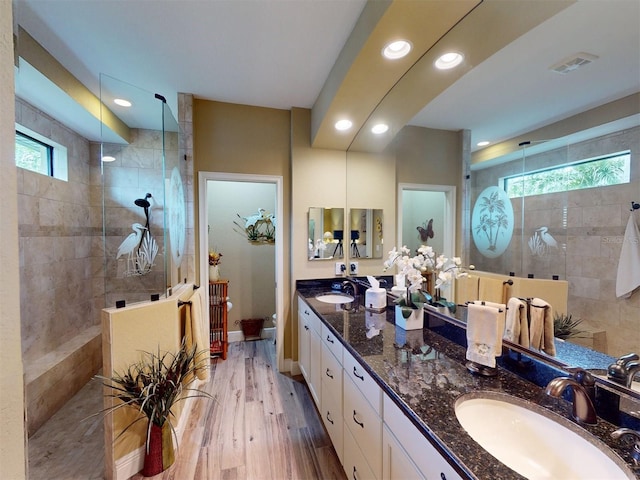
237, 336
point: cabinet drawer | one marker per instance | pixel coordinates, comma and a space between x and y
310, 318
364, 423
355, 465
331, 413
330, 340
425, 456
331, 373
363, 380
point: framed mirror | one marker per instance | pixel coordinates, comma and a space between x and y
326, 239
365, 233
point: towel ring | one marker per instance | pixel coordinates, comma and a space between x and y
635, 206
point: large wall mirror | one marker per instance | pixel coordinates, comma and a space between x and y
326, 235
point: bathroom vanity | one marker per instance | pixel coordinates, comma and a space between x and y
387, 396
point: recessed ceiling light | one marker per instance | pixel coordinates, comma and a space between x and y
483, 143
449, 60
343, 124
380, 128
108, 158
396, 49
122, 102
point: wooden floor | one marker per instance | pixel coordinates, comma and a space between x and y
260, 425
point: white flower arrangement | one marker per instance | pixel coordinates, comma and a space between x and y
414, 268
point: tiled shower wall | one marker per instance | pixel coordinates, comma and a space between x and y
60, 270
589, 226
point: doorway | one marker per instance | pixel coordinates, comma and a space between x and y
254, 268
427, 216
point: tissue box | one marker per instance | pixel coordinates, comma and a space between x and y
375, 298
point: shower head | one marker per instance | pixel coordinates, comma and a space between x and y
143, 202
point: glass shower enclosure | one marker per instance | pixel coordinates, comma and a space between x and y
142, 194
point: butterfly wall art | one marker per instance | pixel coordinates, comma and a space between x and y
426, 231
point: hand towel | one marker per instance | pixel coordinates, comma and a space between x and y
516, 328
541, 328
197, 333
628, 278
491, 290
484, 337
501, 315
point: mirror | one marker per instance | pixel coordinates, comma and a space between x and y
326, 239
365, 233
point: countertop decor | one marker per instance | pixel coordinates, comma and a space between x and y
425, 376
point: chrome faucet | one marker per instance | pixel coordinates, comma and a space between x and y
633, 369
348, 283
623, 432
583, 409
618, 371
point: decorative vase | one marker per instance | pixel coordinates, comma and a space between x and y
415, 320
430, 283
159, 454
214, 273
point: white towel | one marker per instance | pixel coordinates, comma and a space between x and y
541, 328
516, 327
197, 333
484, 336
501, 315
628, 278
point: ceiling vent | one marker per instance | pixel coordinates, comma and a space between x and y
573, 63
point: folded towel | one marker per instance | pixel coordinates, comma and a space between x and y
516, 328
484, 335
628, 278
491, 290
197, 334
541, 328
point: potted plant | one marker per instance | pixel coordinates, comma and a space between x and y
413, 272
153, 386
215, 259
564, 326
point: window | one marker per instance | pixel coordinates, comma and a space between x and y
33, 154
613, 169
39, 154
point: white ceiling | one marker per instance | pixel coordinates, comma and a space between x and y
278, 53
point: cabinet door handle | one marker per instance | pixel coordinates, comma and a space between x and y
329, 374
329, 418
355, 372
356, 420
306, 327
329, 339
306, 312
443, 476
354, 473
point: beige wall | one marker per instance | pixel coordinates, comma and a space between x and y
230, 138
12, 433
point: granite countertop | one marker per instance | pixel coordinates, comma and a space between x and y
424, 373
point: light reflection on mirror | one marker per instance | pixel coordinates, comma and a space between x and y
326, 238
366, 233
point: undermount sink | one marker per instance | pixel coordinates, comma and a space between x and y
334, 297
534, 442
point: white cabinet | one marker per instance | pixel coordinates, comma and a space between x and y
364, 425
355, 464
331, 373
309, 348
396, 464
365, 383
415, 446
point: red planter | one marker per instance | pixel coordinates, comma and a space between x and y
159, 453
